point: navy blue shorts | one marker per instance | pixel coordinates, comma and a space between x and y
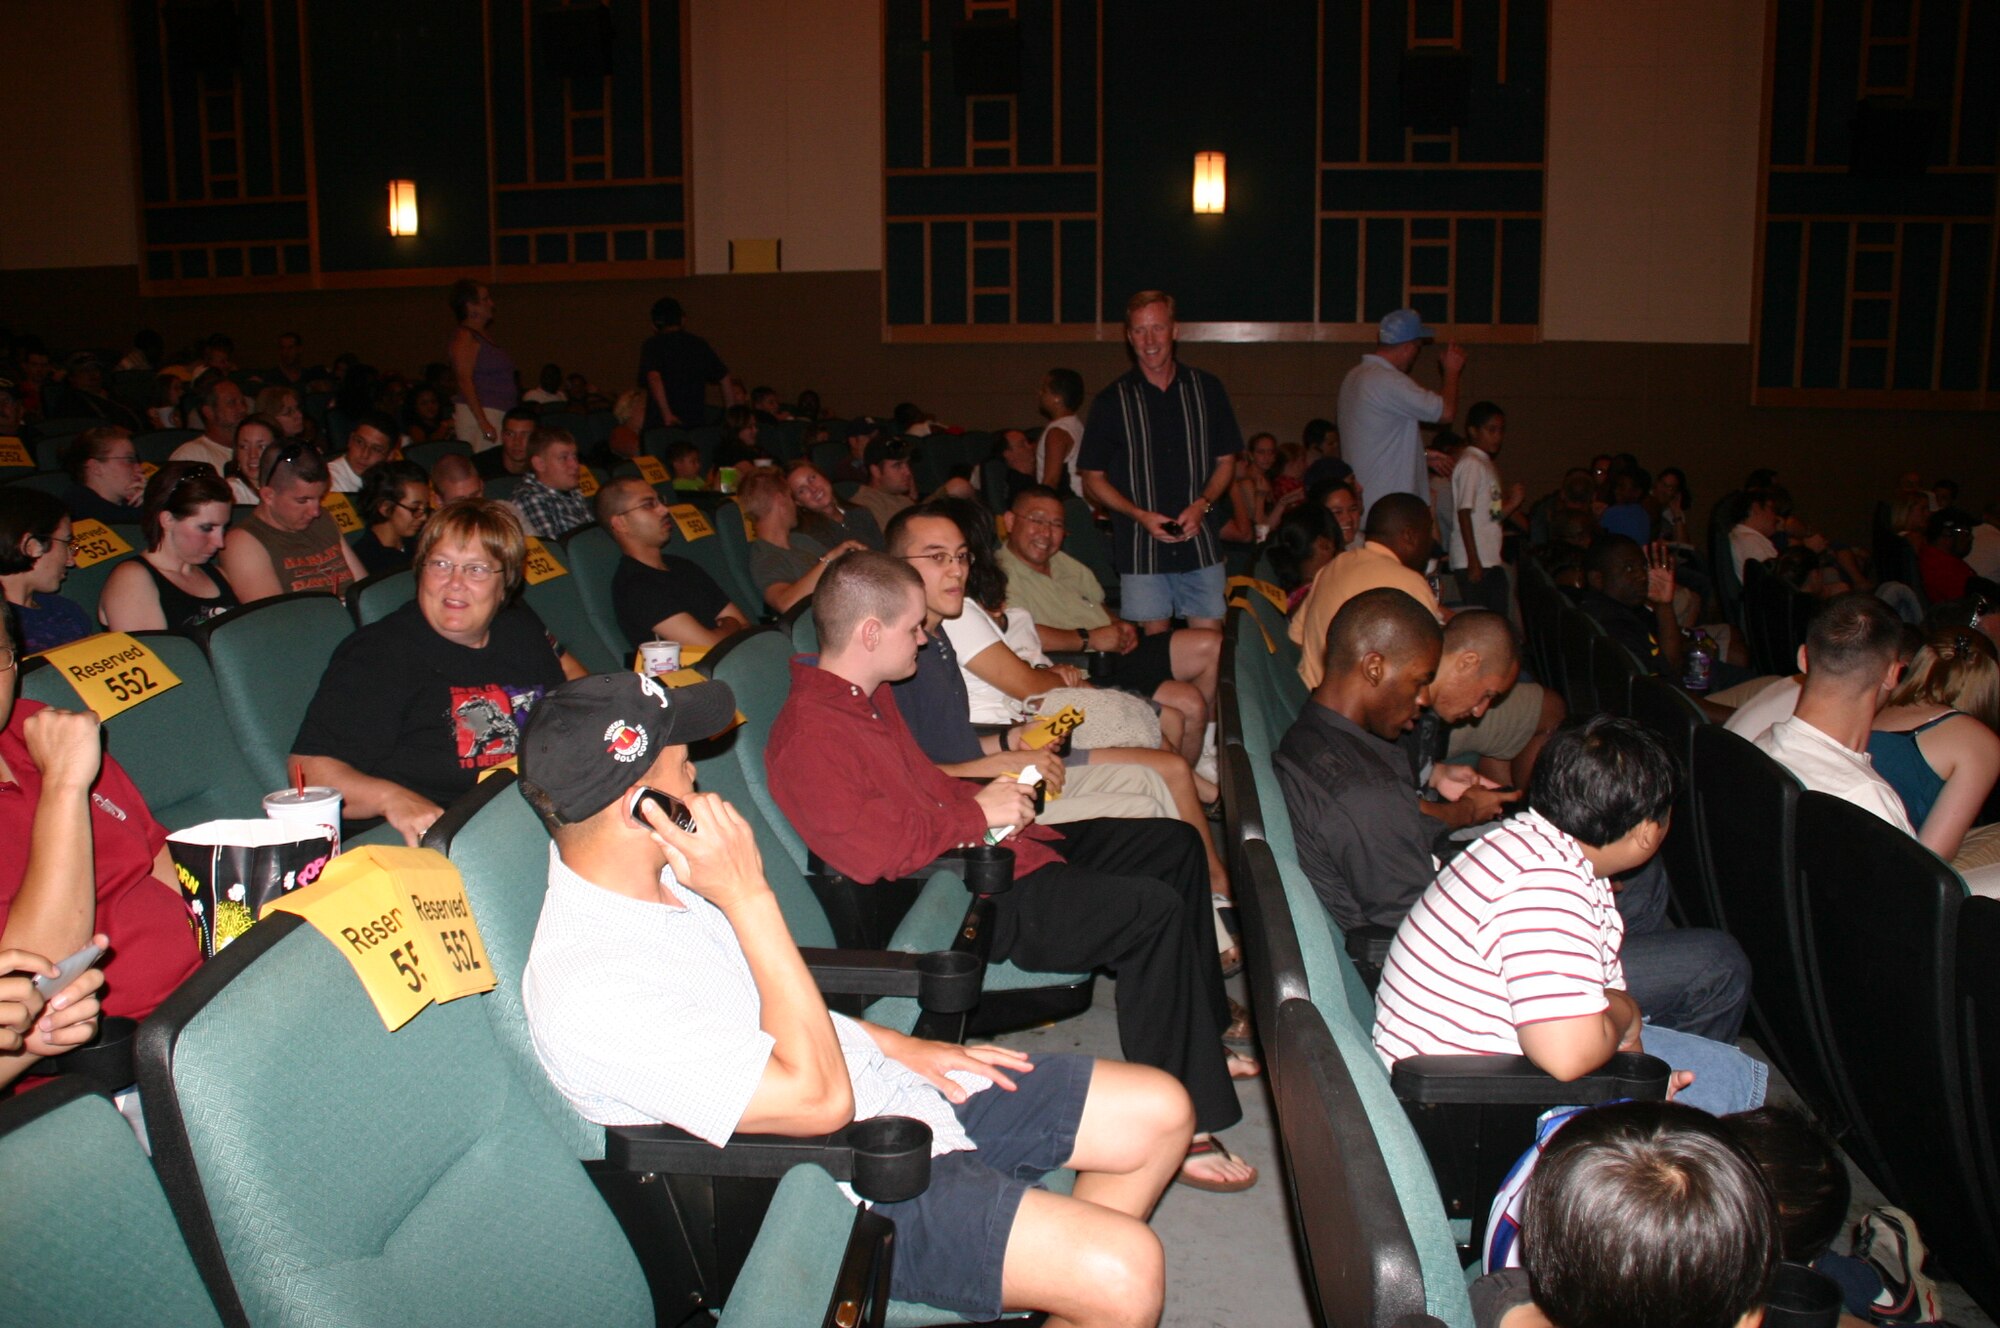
951, 1240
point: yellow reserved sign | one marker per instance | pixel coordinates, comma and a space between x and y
112, 672
1052, 728
693, 525
749, 523
342, 511
399, 918
652, 470
541, 564
93, 542
586, 481
148, 469
14, 453
1275, 596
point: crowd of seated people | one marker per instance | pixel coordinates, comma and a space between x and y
1435, 792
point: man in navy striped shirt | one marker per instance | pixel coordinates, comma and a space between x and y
1515, 948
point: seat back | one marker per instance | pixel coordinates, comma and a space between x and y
380, 595
324, 1167
558, 601
1747, 811
76, 1189
267, 658
1613, 671
757, 666
428, 455
734, 541
1774, 620
158, 446
1088, 544
1979, 1011
1575, 631
593, 562
1673, 715
1881, 915
501, 850
86, 584
1541, 607
175, 744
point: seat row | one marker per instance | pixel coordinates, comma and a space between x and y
1872, 986
1390, 1174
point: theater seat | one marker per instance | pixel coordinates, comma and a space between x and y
734, 540
175, 745
267, 658
324, 1168
381, 595
593, 561
1675, 718
757, 666
558, 602
86, 584
90, 1237
1979, 1004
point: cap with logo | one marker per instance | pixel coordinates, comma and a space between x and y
885, 449
590, 740
1401, 326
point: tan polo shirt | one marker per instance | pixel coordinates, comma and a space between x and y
1364, 568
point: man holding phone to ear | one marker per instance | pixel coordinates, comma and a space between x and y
663, 986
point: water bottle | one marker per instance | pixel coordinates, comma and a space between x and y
1700, 662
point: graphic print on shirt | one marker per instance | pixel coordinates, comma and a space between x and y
486, 722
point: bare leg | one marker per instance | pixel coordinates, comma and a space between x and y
1173, 729
1089, 1258
1187, 799
1185, 701
1196, 654
1154, 626
1206, 624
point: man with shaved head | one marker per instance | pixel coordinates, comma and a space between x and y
1477, 677
1364, 844
1396, 544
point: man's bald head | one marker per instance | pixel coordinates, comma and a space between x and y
1480, 664
1486, 634
1402, 522
1384, 621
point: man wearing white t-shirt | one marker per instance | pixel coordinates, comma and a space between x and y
1381, 407
1750, 538
1480, 508
1851, 662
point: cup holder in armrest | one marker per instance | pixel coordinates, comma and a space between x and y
891, 1158
105, 1060
948, 981
987, 869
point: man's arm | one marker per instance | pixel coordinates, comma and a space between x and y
1453, 360
657, 386
1210, 494
56, 907
1571, 1048
687, 629
804, 1089
247, 567
1473, 571
1056, 447
1660, 599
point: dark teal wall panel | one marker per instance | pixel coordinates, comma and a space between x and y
606, 205
931, 195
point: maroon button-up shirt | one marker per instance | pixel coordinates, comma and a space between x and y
861, 793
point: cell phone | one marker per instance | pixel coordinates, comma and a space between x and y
67, 970
1172, 528
676, 810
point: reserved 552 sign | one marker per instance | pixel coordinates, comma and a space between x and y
112, 672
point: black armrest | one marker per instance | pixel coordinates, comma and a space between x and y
1368, 947
864, 916
105, 1060
1517, 1081
886, 1159
943, 981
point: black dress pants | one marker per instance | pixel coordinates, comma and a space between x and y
1132, 899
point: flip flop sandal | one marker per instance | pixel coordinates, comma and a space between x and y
1212, 1146
1233, 1057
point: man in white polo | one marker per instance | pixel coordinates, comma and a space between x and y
1381, 407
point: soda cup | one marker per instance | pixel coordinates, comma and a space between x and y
314, 805
661, 657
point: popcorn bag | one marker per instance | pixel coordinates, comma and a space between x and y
231, 869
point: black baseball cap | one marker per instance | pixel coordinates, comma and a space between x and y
590, 740
885, 449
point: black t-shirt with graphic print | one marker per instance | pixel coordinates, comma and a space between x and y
401, 703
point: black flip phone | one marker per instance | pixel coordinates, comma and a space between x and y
676, 810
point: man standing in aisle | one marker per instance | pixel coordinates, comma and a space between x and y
1157, 454
1381, 407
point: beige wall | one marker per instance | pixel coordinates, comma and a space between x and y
69, 198
1654, 108
787, 131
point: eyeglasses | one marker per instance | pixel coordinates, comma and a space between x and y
414, 509
442, 569
129, 459
939, 558
1047, 523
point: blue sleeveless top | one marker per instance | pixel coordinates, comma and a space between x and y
1899, 760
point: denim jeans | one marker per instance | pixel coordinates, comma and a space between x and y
1725, 1079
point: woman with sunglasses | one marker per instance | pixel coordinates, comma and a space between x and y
288, 543
414, 707
394, 500
35, 556
171, 585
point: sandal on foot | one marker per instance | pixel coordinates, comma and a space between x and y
1239, 1033
1213, 1147
1234, 1058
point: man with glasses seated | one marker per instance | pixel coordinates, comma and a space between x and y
414, 708
288, 543
657, 596
107, 477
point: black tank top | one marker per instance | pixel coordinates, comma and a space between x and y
185, 612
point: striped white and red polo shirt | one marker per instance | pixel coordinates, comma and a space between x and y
1516, 930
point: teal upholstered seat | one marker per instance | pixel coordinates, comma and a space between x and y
90, 1237
558, 601
381, 595
267, 658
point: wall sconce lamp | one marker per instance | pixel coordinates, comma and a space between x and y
402, 207
1210, 186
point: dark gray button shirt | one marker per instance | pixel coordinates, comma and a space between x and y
1361, 840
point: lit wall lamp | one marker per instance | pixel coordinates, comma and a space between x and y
402, 207
1210, 186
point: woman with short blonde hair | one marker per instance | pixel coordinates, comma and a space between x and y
1934, 741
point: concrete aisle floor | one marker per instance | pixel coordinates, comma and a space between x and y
1231, 1261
